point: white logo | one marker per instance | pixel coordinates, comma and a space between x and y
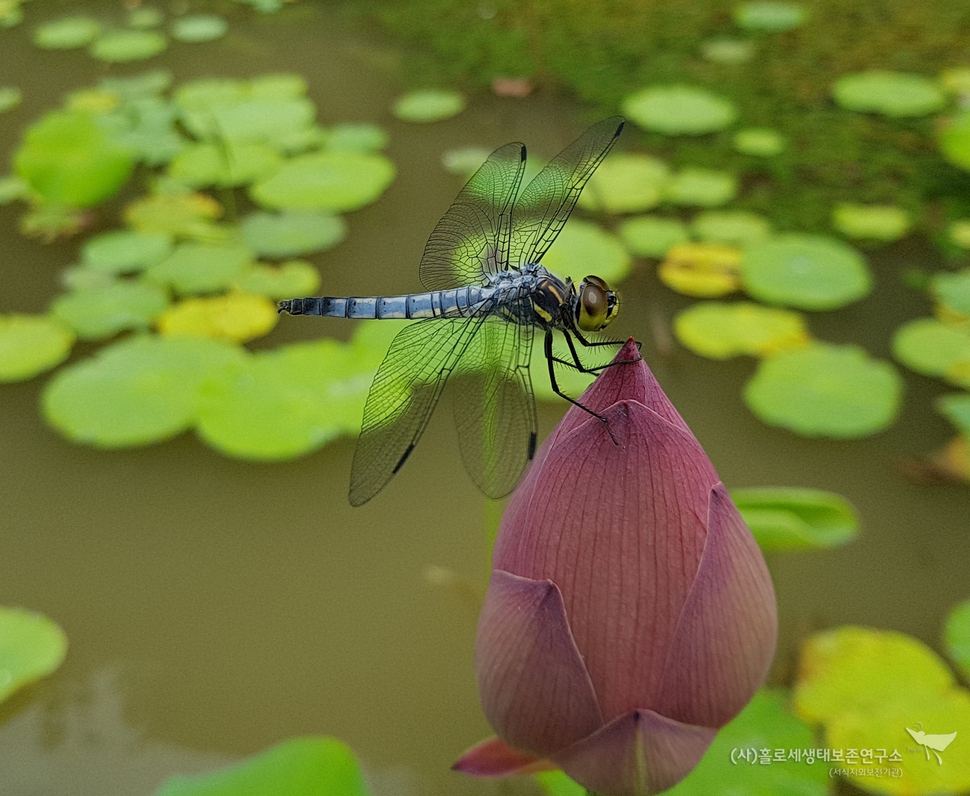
935, 742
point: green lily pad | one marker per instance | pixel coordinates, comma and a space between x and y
286, 402
956, 408
679, 110
31, 344
146, 127
732, 227
201, 267
430, 105
810, 272
139, 86
293, 278
464, 161
127, 45
875, 222
723, 330
125, 250
256, 120
580, 245
825, 390
145, 17
68, 159
237, 317
953, 291
895, 94
765, 724
769, 15
700, 187
625, 183
762, 142
67, 33
785, 518
305, 139
334, 181
933, 348
9, 98
187, 215
360, 137
310, 766
954, 140
728, 51
13, 188
224, 164
136, 392
959, 232
31, 647
956, 636
652, 236
279, 235
199, 28
100, 312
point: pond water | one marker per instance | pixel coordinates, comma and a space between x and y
215, 607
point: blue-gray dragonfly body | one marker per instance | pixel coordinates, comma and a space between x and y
487, 296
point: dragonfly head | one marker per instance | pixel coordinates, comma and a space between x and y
596, 305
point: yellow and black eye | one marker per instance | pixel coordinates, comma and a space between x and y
597, 305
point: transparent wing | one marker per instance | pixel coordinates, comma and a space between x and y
472, 238
403, 396
547, 201
494, 408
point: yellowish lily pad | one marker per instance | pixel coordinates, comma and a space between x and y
704, 270
722, 330
31, 344
31, 647
933, 348
237, 317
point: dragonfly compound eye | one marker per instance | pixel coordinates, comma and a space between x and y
597, 304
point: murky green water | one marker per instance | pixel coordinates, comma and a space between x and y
215, 607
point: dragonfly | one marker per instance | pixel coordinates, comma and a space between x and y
487, 296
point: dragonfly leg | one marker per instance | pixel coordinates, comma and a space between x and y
577, 363
555, 385
595, 343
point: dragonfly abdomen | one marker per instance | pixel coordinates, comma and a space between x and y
456, 303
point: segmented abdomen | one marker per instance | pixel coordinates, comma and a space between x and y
440, 304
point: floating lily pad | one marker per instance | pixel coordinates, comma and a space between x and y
430, 105
875, 222
894, 94
786, 519
956, 80
625, 183
956, 408
103, 311
237, 317
287, 402
705, 270
125, 250
141, 390
959, 233
679, 110
140, 86
67, 33
825, 391
9, 98
762, 142
201, 267
700, 187
279, 235
720, 331
954, 140
199, 28
293, 278
361, 137
580, 246
335, 181
145, 17
652, 236
68, 159
465, 161
31, 647
310, 766
127, 45
728, 51
934, 349
31, 344
766, 723
12, 188
769, 15
731, 227
224, 164
952, 291
304, 139
956, 636
188, 215
811, 272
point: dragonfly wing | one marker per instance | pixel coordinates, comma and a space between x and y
472, 239
494, 407
547, 201
402, 398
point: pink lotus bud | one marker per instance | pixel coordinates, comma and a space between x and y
630, 613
